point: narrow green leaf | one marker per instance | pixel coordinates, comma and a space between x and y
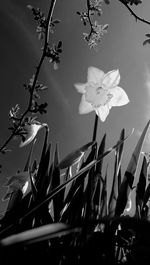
146, 42
55, 182
74, 156
147, 35
119, 178
104, 206
27, 165
39, 234
79, 174
135, 156
53, 193
114, 190
78, 182
141, 185
97, 195
38, 194
101, 151
89, 193
33, 188
119, 150
126, 185
72, 211
43, 181
13, 209
146, 196
42, 160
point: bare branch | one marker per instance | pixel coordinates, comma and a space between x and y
133, 13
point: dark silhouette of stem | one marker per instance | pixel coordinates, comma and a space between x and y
89, 17
95, 128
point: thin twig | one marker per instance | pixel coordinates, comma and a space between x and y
133, 13
89, 17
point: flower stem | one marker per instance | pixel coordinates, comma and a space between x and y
95, 128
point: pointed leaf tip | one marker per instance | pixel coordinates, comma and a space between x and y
74, 156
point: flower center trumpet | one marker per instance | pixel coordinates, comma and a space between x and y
101, 92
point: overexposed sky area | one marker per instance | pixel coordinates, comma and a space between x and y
121, 48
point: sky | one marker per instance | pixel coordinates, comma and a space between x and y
121, 48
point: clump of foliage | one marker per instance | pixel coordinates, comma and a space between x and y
59, 210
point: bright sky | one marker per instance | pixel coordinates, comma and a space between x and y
121, 48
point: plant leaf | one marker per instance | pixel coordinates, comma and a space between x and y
74, 156
146, 42
27, 165
39, 234
80, 174
42, 160
55, 182
104, 206
126, 185
141, 185
146, 196
114, 189
101, 151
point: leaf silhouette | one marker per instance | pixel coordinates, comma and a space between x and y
146, 42
101, 151
141, 185
126, 185
104, 206
146, 196
147, 35
53, 193
38, 234
114, 189
42, 165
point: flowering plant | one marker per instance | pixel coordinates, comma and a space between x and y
60, 210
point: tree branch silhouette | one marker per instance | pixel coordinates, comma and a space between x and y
38, 68
133, 13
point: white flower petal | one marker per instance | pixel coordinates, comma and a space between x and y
84, 106
27, 141
80, 88
102, 112
119, 98
26, 187
31, 133
111, 79
95, 75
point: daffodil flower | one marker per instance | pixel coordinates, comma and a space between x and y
31, 131
101, 92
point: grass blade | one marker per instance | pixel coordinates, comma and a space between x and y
141, 185
114, 190
101, 151
38, 234
126, 185
74, 156
62, 186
